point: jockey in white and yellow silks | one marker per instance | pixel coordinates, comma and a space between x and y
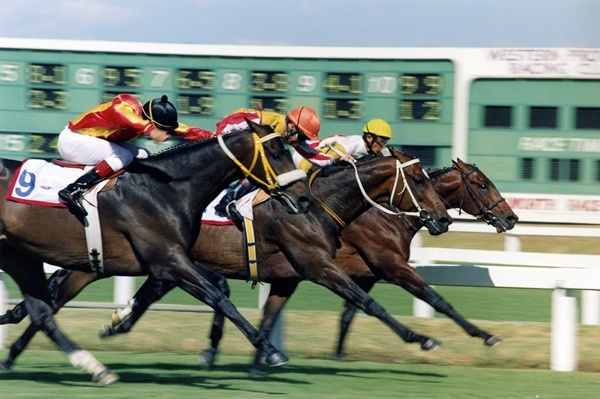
376, 134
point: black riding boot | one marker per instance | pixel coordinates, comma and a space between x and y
226, 207
72, 194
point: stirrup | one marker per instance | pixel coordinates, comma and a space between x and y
74, 202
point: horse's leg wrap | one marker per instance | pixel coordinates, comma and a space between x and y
85, 361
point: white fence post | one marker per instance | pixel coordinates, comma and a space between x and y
3, 307
563, 353
123, 289
590, 307
276, 335
512, 243
423, 309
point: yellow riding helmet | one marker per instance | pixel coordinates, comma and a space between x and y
378, 127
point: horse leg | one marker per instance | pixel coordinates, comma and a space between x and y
346, 318
64, 285
426, 293
338, 282
19, 312
198, 281
124, 319
279, 294
208, 356
29, 274
19, 346
14, 315
405, 276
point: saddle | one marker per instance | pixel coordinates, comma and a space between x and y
37, 181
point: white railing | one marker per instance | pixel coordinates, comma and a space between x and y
562, 273
511, 268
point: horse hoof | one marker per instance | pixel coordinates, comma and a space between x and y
277, 359
105, 332
106, 377
207, 358
4, 366
430, 344
256, 371
493, 341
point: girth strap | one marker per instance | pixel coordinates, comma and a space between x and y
251, 259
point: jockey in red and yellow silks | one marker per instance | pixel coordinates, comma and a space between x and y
120, 120
101, 135
300, 126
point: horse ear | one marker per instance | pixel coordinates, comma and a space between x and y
455, 163
253, 125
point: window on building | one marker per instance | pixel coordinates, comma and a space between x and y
564, 169
543, 117
587, 118
426, 154
527, 168
497, 116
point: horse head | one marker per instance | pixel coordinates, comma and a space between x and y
480, 197
417, 194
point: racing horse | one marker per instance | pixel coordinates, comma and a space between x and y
383, 255
367, 255
294, 249
150, 221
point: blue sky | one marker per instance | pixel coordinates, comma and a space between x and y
362, 23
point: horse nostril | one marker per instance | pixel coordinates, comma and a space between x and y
446, 221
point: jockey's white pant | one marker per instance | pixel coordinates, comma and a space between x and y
88, 150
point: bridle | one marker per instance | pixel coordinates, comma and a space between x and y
485, 211
421, 213
273, 182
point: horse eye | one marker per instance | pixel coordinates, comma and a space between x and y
483, 186
419, 181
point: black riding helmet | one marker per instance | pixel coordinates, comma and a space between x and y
162, 113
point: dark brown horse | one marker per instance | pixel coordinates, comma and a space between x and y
367, 255
150, 221
310, 247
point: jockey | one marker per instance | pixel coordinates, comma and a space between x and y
300, 128
100, 137
374, 139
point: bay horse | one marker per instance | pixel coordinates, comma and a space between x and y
291, 250
150, 221
370, 257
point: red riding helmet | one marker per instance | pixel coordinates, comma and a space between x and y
307, 120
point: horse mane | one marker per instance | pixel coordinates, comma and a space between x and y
325, 171
435, 172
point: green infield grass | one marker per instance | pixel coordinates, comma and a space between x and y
47, 375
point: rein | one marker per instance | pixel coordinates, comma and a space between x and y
485, 212
422, 214
273, 181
